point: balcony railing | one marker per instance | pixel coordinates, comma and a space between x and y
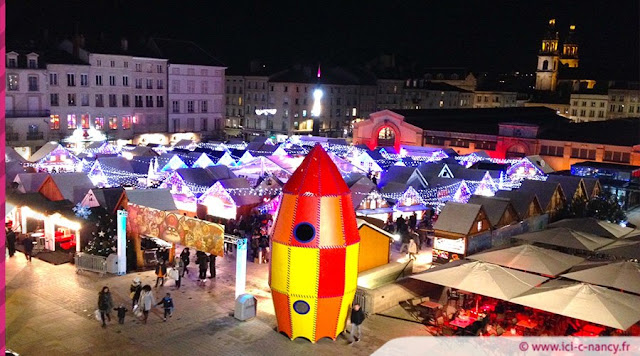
34, 136
27, 113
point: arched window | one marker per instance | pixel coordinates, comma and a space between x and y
545, 65
386, 137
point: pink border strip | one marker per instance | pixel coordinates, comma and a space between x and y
3, 177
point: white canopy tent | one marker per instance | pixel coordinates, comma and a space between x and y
482, 278
530, 258
565, 237
584, 301
621, 275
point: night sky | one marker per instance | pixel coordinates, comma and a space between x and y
496, 36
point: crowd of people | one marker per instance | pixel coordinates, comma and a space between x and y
411, 232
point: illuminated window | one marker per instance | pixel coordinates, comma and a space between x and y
84, 121
126, 122
71, 121
479, 225
54, 122
98, 123
113, 123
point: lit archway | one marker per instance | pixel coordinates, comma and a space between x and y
516, 151
386, 136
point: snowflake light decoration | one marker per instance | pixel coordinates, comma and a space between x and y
82, 211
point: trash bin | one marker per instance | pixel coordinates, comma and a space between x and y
246, 306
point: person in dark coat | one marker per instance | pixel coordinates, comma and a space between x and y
203, 263
11, 242
161, 272
167, 304
28, 247
184, 256
122, 312
357, 317
212, 265
105, 304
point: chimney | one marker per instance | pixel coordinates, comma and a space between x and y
124, 44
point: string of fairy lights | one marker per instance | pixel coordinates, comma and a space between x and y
160, 171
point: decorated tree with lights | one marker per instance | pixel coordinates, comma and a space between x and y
463, 193
103, 240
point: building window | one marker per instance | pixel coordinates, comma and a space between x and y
138, 67
71, 121
160, 101
98, 123
613, 156
54, 122
54, 99
149, 100
112, 80
12, 82
126, 122
190, 106
160, 84
204, 87
138, 101
113, 101
191, 86
175, 86
98, 80
12, 62
583, 153
459, 143
113, 123
125, 100
486, 145
126, 64
71, 99
175, 106
203, 124
204, 107
53, 79
84, 121
159, 68
84, 99
138, 83
113, 64
99, 62
176, 125
557, 151
99, 100
71, 80
125, 81
600, 114
149, 83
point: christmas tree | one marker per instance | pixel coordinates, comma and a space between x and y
103, 238
463, 193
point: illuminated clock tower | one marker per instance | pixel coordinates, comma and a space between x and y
569, 56
548, 60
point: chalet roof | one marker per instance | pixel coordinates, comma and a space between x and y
457, 218
196, 176
12, 169
73, 186
543, 190
519, 200
569, 184
115, 163
44, 151
31, 182
397, 174
590, 184
10, 155
539, 162
494, 207
240, 199
160, 199
220, 172
37, 202
108, 198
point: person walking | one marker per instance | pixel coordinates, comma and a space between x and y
134, 291
203, 263
413, 249
357, 317
167, 304
105, 304
122, 312
212, 265
147, 301
11, 241
179, 266
184, 257
161, 272
28, 247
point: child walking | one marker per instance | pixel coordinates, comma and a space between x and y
167, 304
122, 311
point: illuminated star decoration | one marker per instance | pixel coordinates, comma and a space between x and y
101, 233
81, 211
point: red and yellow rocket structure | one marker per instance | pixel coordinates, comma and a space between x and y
314, 259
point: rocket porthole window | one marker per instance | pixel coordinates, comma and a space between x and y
301, 307
304, 232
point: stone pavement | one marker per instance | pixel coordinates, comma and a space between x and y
50, 311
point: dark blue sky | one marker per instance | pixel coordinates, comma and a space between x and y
483, 35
